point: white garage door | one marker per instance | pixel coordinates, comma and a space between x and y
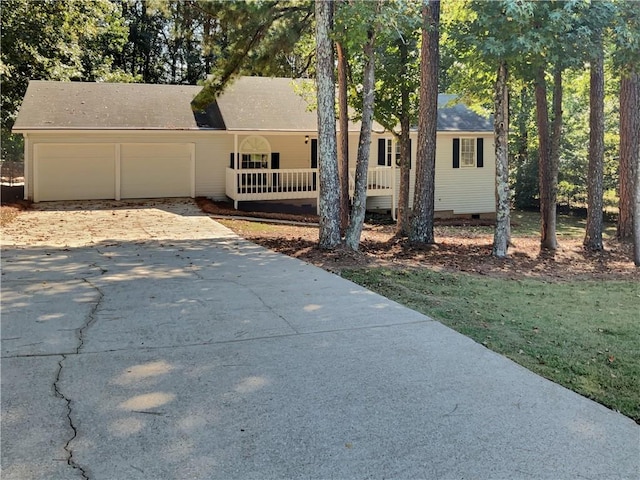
74, 172
90, 171
156, 170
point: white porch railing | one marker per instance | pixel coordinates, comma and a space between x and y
379, 181
271, 184
296, 183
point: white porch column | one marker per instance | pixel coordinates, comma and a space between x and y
236, 166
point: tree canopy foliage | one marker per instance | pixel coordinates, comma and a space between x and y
51, 40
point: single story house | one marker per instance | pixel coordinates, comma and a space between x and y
256, 142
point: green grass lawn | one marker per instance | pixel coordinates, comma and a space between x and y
527, 224
584, 335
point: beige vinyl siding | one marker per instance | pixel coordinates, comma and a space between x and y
464, 190
212, 160
212, 150
211, 153
353, 150
294, 152
460, 191
74, 172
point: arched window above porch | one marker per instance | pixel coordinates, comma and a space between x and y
255, 152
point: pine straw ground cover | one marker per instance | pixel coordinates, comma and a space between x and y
571, 316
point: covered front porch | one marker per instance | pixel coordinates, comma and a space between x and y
283, 166
297, 183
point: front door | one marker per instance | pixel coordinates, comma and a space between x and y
314, 161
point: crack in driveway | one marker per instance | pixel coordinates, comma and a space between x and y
91, 318
81, 332
67, 446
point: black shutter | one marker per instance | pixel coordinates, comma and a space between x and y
456, 153
480, 152
232, 164
410, 160
275, 164
314, 153
382, 152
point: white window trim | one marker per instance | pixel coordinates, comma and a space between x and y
391, 146
255, 145
474, 162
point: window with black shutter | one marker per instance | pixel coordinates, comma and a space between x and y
468, 152
480, 153
398, 154
382, 152
456, 153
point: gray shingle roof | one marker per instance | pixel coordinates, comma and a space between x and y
86, 105
259, 103
459, 117
250, 103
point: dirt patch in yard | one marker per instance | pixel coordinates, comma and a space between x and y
11, 203
74, 224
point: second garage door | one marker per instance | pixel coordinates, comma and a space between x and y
156, 170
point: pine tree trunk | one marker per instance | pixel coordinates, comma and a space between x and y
545, 167
593, 233
629, 147
423, 203
328, 199
636, 207
403, 225
358, 209
403, 222
501, 127
634, 139
344, 137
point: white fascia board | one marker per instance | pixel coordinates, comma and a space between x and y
111, 131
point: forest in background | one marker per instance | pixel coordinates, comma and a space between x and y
182, 42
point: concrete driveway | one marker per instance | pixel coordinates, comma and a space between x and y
153, 343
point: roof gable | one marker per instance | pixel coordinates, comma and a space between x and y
261, 103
